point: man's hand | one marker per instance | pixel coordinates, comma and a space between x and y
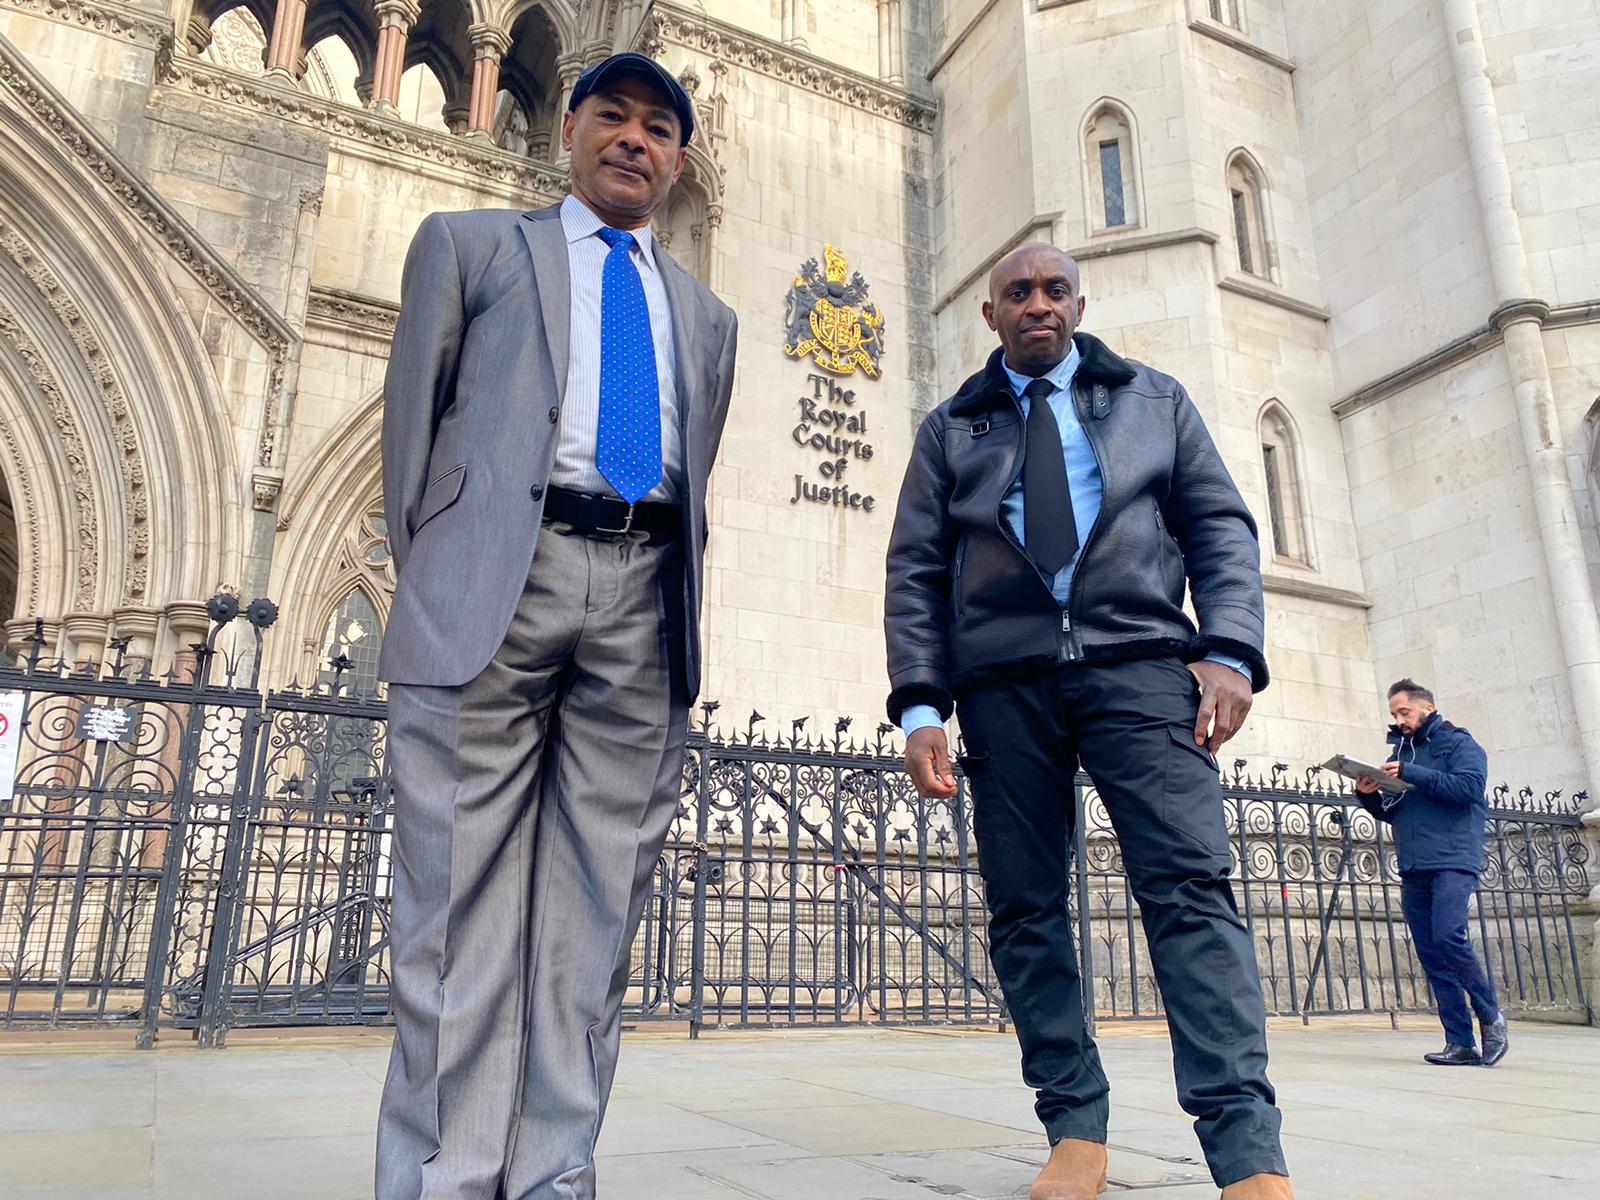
928, 761
1225, 700
1369, 787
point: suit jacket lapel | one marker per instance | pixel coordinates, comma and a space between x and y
547, 244
681, 299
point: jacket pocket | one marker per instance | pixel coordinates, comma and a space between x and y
1173, 572
440, 495
956, 583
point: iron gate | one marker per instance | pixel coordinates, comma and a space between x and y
224, 861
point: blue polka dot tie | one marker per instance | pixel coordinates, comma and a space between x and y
628, 442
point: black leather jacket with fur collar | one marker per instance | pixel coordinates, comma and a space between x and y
965, 604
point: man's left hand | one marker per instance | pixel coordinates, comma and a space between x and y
1392, 769
1225, 699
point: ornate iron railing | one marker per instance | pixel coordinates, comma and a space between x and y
225, 862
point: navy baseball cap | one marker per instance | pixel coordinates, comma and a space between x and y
643, 65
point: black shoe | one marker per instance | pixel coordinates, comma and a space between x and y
1496, 1041
1454, 1056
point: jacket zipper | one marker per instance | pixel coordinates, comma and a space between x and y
1070, 649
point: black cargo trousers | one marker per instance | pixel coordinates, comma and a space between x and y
1131, 727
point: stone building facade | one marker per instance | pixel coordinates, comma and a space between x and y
1366, 237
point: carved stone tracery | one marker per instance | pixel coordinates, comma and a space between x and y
235, 296
115, 403
86, 525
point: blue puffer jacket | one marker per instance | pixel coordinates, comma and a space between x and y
1438, 824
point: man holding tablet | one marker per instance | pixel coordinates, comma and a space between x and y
1438, 837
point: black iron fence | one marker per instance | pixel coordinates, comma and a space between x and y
202, 854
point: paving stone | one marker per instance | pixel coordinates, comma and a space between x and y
841, 1114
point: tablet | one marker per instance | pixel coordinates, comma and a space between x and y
1353, 769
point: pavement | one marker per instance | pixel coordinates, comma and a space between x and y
810, 1115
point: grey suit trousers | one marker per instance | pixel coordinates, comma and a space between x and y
531, 805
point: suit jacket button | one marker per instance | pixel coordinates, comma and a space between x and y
536, 492
554, 413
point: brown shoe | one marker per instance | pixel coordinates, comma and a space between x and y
1076, 1171
1260, 1187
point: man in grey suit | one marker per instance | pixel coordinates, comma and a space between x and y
555, 396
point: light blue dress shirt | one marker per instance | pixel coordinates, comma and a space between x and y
1085, 487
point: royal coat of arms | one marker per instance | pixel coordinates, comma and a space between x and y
831, 318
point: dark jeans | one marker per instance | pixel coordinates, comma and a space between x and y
1131, 726
1435, 904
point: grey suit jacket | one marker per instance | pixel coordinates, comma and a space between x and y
471, 401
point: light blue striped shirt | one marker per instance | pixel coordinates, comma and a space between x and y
578, 433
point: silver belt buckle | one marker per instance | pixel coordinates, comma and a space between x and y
627, 524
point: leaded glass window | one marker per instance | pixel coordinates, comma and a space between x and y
1111, 183
353, 633
1241, 231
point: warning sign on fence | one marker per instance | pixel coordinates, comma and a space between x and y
10, 741
105, 723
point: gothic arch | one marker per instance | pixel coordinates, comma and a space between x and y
1283, 467
433, 52
1109, 136
206, 13
320, 515
688, 219
350, 27
562, 16
112, 409
1249, 214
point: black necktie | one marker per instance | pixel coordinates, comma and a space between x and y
1048, 528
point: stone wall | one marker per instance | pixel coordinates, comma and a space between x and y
1366, 324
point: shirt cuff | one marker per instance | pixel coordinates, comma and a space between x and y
1238, 664
919, 716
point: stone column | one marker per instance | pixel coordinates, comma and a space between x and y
489, 46
197, 33
86, 636
396, 18
139, 626
83, 645
283, 46
791, 14
457, 116
1519, 316
187, 624
891, 42
19, 640
1586, 929
568, 68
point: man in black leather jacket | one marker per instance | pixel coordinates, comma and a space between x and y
1052, 512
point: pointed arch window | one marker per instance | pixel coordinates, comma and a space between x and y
332, 70
1109, 156
422, 97
1280, 461
352, 634
1247, 211
234, 39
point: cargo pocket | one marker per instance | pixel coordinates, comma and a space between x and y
973, 765
1191, 797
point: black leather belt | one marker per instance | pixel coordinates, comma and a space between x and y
610, 516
